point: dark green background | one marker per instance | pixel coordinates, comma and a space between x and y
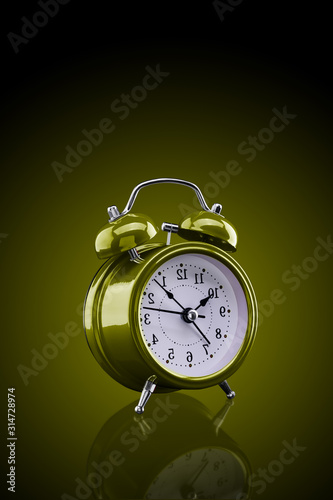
225, 79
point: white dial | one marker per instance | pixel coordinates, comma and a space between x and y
193, 315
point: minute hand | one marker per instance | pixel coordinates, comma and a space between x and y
169, 294
168, 311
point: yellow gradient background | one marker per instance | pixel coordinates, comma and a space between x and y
189, 126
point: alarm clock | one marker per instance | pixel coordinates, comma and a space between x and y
159, 455
162, 316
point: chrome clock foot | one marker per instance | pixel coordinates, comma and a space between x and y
147, 391
226, 388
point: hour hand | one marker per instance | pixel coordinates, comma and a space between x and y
203, 302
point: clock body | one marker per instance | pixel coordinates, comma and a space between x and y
186, 313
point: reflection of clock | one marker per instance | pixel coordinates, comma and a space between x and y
203, 473
167, 454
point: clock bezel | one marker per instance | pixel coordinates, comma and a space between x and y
166, 377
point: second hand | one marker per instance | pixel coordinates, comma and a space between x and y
168, 311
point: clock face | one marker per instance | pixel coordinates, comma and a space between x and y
193, 315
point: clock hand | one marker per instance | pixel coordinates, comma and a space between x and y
168, 311
204, 336
187, 490
169, 294
197, 474
203, 302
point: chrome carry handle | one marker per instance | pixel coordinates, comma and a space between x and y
115, 214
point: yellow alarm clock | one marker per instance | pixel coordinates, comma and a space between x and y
161, 316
